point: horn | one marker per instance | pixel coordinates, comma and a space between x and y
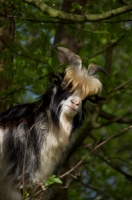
92, 69
73, 59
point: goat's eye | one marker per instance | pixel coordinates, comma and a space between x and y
67, 89
70, 86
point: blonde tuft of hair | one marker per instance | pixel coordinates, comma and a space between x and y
78, 79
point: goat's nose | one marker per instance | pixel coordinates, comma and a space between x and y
75, 102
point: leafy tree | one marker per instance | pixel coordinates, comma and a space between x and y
99, 164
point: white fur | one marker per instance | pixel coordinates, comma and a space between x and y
69, 108
57, 140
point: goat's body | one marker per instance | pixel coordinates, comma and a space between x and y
34, 137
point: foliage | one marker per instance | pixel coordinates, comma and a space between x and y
107, 172
38, 192
52, 180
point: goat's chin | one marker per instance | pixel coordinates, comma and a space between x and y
69, 111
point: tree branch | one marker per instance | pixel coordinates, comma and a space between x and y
53, 13
94, 149
58, 21
107, 47
122, 86
34, 19
18, 54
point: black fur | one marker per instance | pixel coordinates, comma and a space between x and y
35, 136
23, 137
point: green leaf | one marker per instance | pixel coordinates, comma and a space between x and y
50, 61
57, 180
52, 180
25, 194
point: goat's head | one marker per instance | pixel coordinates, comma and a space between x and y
76, 85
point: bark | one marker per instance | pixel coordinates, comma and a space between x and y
62, 35
6, 34
108, 58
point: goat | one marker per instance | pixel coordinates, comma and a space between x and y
35, 136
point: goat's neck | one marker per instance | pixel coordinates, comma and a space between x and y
62, 133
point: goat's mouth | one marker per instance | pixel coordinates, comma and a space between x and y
70, 108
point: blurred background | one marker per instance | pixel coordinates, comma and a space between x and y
27, 62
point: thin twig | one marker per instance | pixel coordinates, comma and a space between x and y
36, 20
116, 21
106, 48
122, 86
98, 146
35, 195
24, 159
84, 184
18, 54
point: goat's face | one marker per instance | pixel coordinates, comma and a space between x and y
72, 92
72, 105
66, 102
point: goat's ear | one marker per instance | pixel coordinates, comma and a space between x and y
97, 99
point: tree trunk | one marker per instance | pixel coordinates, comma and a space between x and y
7, 32
63, 37
6, 36
73, 44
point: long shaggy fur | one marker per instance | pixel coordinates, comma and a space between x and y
35, 136
79, 80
